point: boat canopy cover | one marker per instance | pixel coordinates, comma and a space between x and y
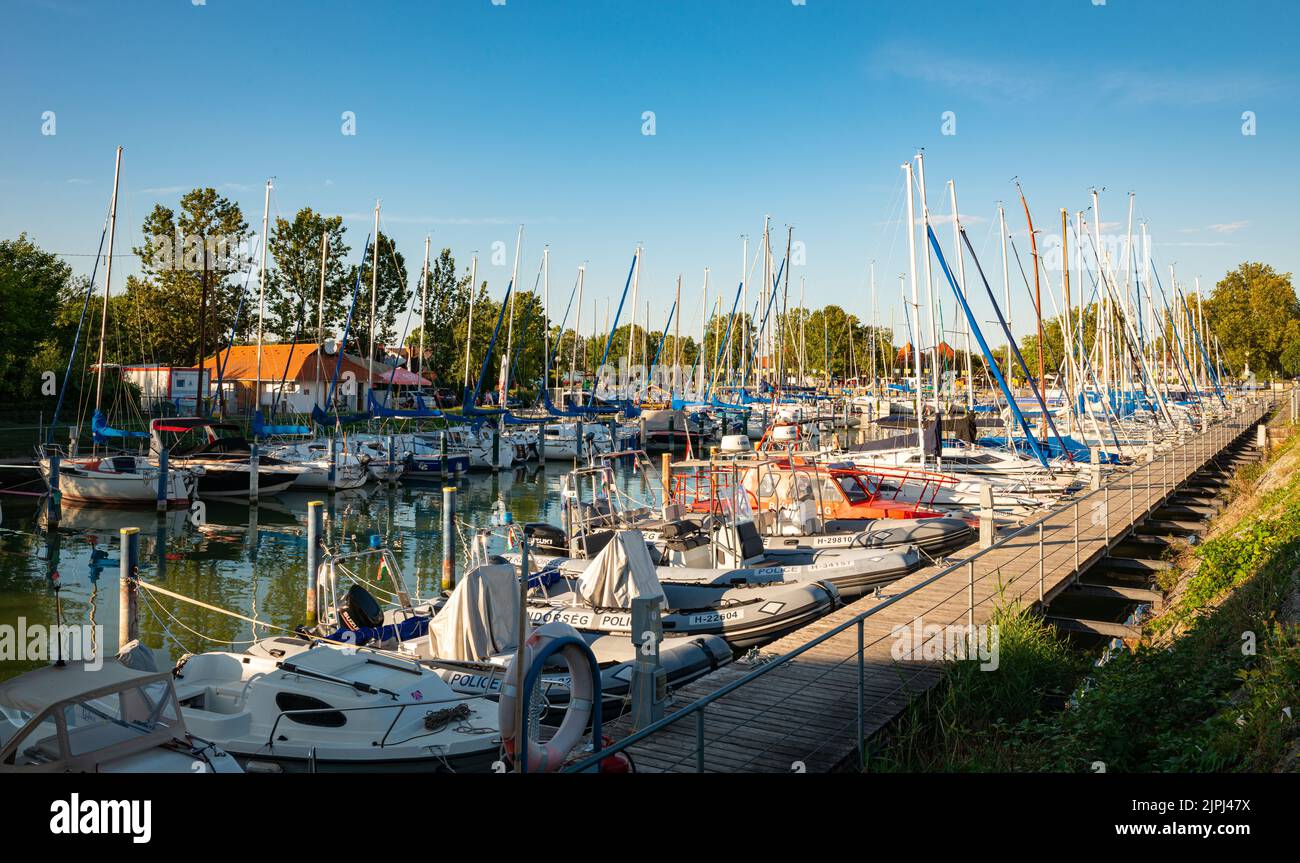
103, 433
480, 617
622, 572
261, 429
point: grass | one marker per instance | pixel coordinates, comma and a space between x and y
1208, 695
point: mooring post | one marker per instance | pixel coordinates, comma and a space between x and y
649, 681
667, 481
442, 452
331, 483
315, 530
448, 537
1076, 540
1094, 462
577, 444
517, 666
541, 444
252, 473
392, 460
162, 481
970, 594
640, 430
1040, 562
54, 503
496, 447
1261, 438
128, 620
988, 532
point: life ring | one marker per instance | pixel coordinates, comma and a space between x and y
548, 756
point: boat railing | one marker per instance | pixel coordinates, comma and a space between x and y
1088, 518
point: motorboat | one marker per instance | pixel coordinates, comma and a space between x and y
222, 452
332, 709
78, 718
120, 480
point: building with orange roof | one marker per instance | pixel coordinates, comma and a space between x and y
306, 371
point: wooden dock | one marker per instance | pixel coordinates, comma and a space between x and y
824, 694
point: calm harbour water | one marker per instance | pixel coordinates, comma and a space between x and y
250, 560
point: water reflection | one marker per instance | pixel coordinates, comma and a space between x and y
245, 559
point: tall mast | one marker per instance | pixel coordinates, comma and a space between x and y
546, 315
577, 325
961, 282
1067, 341
1038, 308
704, 323
677, 342
803, 347
781, 314
744, 313
916, 311
374, 291
261, 296
1006, 284
872, 331
503, 377
108, 276
929, 283
631, 323
469, 329
320, 308
424, 300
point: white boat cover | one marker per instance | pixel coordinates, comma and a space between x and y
481, 615
622, 572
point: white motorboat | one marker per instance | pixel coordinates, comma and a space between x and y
76, 718
331, 709
120, 480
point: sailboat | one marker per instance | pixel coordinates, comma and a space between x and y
110, 479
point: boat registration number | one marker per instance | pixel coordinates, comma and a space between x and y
709, 617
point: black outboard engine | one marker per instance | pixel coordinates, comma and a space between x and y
547, 538
360, 610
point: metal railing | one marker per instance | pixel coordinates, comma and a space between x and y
1070, 534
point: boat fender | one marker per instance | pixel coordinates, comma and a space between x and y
548, 756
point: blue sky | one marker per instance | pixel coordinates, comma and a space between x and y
473, 118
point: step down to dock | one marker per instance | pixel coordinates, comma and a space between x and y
1112, 591
1134, 564
1095, 627
1169, 525
1189, 510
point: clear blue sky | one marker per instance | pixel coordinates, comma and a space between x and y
473, 118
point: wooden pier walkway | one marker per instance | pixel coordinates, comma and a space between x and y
810, 711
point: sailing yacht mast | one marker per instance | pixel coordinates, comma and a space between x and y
961, 282
1006, 284
108, 277
320, 309
261, 296
916, 311
424, 300
374, 291
1038, 308
631, 324
929, 284
469, 329
503, 378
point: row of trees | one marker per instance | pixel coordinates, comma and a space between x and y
1253, 311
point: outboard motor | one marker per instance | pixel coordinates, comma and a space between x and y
360, 610
548, 538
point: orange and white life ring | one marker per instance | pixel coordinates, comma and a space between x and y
548, 756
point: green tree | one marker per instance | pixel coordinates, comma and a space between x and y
191, 260
1253, 312
293, 287
35, 333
